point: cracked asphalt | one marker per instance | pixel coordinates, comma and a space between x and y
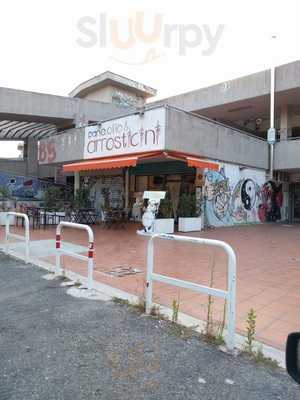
55, 346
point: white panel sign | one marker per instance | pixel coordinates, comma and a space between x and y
155, 195
127, 135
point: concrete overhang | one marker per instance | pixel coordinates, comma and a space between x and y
186, 133
25, 114
109, 78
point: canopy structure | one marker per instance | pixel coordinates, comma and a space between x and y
108, 163
14, 130
132, 160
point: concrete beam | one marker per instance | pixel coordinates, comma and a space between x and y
31, 106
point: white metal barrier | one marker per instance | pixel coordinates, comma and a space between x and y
60, 250
228, 294
9, 235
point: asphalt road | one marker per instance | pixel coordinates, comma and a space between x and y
55, 346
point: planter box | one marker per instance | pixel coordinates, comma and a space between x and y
12, 219
164, 225
189, 224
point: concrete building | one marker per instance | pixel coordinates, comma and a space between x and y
223, 125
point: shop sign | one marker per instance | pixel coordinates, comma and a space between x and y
136, 133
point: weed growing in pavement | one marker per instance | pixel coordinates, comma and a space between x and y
139, 307
251, 330
175, 310
258, 357
185, 332
120, 302
209, 316
249, 351
212, 334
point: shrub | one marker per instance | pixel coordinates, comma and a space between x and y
82, 198
166, 208
187, 206
53, 198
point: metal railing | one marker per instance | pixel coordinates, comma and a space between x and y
90, 249
9, 235
228, 294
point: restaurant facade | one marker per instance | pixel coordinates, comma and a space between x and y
162, 148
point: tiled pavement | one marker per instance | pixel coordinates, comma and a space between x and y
268, 271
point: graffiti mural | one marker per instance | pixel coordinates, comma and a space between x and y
271, 202
22, 188
217, 198
237, 195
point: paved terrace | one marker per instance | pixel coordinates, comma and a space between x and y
268, 271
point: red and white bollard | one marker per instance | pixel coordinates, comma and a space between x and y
90, 256
90, 265
58, 246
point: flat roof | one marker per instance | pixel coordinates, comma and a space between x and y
110, 78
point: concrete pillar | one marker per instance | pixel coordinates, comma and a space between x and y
285, 129
76, 182
32, 157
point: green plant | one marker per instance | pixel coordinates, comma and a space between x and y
251, 330
185, 332
120, 302
209, 317
260, 358
220, 334
187, 206
4, 193
82, 198
53, 198
175, 310
166, 208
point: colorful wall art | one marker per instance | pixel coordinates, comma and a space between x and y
23, 188
238, 195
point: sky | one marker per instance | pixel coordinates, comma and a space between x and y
44, 47
174, 47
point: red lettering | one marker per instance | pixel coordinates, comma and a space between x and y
42, 152
51, 151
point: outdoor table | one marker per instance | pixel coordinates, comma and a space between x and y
55, 216
41, 214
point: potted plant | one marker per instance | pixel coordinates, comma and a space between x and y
188, 220
82, 198
53, 198
164, 223
5, 206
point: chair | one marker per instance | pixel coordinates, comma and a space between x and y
107, 218
34, 217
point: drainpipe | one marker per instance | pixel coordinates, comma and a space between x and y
272, 130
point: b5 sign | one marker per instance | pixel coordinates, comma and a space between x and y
47, 151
